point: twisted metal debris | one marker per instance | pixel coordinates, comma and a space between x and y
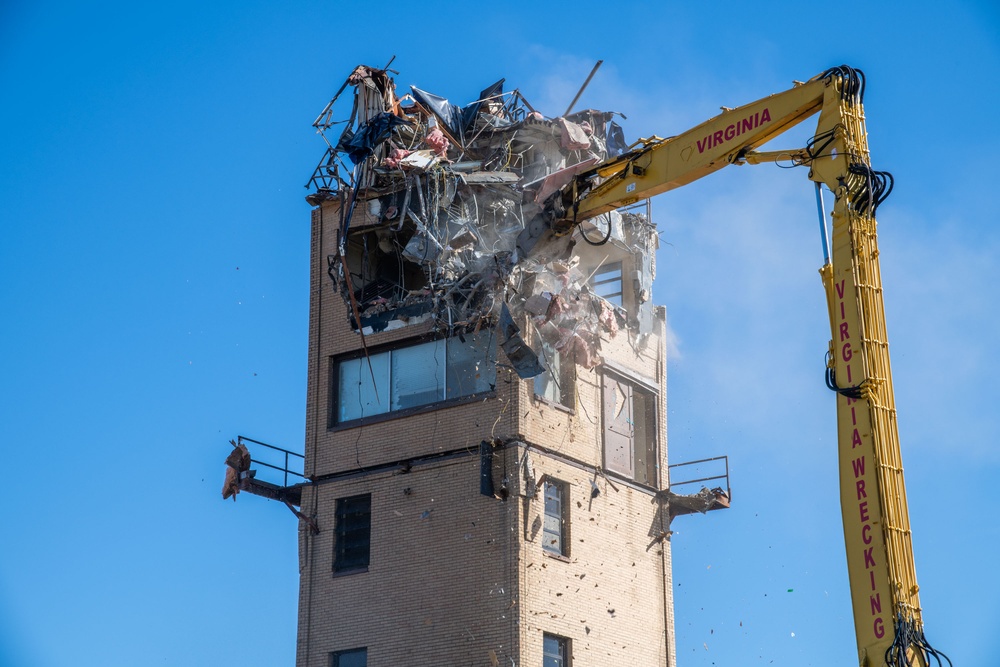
443, 217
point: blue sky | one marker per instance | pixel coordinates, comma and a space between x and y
153, 285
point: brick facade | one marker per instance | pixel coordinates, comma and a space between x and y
460, 578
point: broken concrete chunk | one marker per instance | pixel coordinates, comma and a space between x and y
573, 137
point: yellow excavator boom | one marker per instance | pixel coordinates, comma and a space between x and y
884, 591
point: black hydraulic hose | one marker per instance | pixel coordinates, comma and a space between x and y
854, 85
908, 637
831, 383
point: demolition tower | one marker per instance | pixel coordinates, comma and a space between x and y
486, 455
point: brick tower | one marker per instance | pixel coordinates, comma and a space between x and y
486, 455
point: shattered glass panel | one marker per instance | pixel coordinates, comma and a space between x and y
644, 418
618, 444
357, 395
552, 532
548, 384
418, 375
471, 365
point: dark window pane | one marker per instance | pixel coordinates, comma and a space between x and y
354, 658
353, 533
554, 651
357, 395
418, 375
471, 364
554, 526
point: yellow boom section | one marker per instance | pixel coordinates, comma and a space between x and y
872, 493
664, 164
887, 613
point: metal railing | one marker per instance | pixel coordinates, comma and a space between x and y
288, 457
724, 476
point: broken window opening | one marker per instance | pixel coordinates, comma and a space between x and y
555, 528
352, 543
413, 376
629, 414
556, 385
607, 283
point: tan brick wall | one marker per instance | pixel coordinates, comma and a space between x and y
440, 588
608, 596
616, 561
455, 575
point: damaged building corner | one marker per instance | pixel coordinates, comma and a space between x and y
445, 215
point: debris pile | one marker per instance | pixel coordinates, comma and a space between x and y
445, 215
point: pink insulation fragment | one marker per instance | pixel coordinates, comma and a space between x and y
438, 142
607, 318
394, 158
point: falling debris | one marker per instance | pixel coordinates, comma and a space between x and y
703, 501
237, 468
446, 214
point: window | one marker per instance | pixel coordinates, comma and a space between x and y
556, 383
554, 529
555, 651
629, 413
356, 657
409, 377
353, 534
607, 283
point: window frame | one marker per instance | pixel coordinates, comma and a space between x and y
564, 378
334, 379
562, 492
600, 280
342, 562
336, 655
646, 458
565, 648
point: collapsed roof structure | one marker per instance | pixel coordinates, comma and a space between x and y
445, 217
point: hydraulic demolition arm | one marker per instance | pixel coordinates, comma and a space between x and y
884, 589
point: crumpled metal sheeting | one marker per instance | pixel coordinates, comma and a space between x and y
443, 193
521, 356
